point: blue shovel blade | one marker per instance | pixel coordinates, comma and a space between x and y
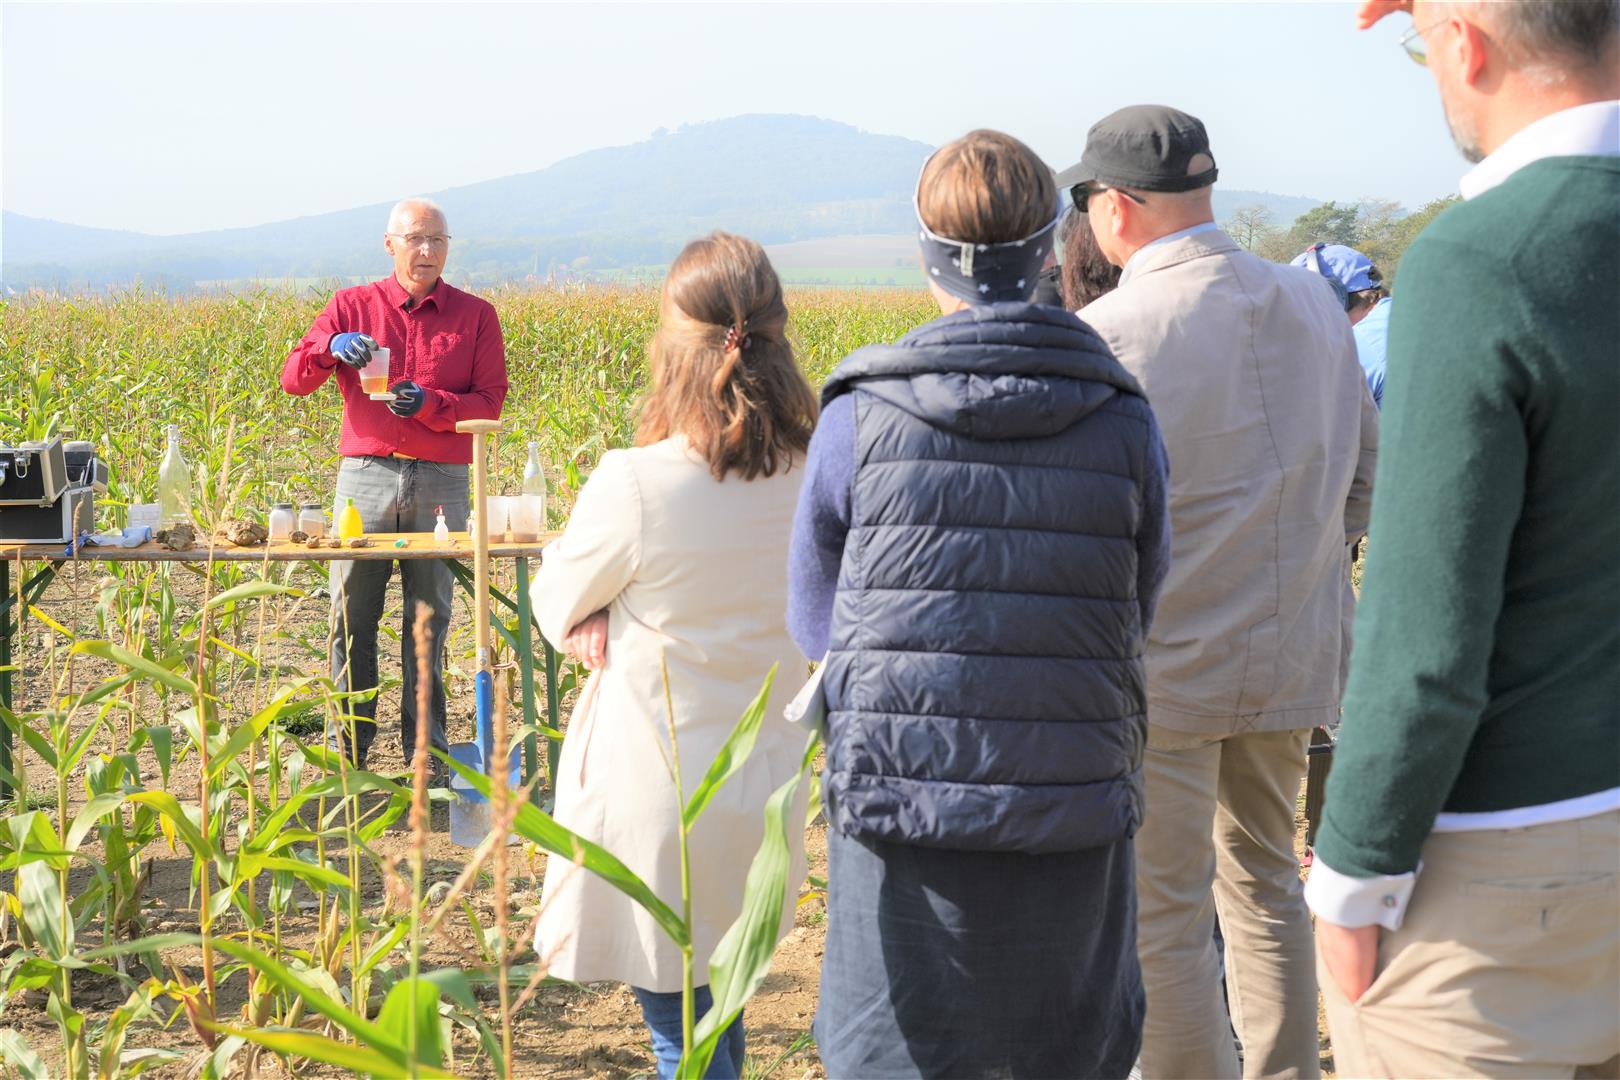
471, 755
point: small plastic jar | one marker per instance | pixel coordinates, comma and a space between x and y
282, 521
312, 519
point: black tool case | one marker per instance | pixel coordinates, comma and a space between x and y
32, 474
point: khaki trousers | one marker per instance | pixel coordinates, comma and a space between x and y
1219, 833
1507, 964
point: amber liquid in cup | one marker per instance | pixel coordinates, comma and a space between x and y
374, 384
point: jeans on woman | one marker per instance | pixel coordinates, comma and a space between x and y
663, 1015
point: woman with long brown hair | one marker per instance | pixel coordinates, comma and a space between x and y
673, 562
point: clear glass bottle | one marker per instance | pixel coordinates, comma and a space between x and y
174, 483
534, 485
282, 521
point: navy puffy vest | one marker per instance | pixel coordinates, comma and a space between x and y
985, 687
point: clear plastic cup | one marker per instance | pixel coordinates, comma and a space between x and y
374, 376
500, 510
525, 513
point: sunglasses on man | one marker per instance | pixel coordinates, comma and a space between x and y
1082, 193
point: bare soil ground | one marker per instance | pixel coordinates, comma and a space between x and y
565, 1031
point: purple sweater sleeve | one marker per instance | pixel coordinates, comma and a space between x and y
819, 527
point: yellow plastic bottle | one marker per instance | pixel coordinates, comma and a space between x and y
349, 523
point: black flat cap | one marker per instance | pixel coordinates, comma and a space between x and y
1150, 147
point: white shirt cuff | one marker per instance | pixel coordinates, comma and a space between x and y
1358, 901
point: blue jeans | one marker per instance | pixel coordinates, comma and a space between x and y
393, 495
663, 1015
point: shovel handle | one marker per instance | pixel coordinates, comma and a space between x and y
479, 430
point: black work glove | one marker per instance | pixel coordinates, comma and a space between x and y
408, 398
352, 348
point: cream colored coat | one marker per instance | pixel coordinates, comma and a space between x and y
1251, 370
693, 571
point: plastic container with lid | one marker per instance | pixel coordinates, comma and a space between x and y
282, 521
312, 519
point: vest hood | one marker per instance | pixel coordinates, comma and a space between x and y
1008, 370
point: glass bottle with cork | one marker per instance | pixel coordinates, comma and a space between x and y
174, 483
529, 515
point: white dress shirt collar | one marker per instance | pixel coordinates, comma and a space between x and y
1203, 226
1589, 129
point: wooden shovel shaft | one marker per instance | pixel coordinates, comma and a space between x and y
480, 429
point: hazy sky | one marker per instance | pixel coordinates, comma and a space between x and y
176, 117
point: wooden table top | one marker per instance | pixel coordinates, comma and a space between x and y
383, 546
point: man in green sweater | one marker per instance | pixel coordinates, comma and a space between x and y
1467, 875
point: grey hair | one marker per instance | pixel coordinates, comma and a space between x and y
404, 206
1549, 40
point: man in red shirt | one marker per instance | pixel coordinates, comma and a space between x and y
401, 459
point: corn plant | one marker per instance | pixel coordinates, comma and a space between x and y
213, 667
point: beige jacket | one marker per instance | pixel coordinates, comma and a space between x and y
692, 571
1251, 370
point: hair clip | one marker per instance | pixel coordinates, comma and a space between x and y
736, 338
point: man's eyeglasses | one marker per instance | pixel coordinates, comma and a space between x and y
1418, 49
1082, 193
416, 240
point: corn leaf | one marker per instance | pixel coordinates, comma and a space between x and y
34, 612
738, 745
152, 670
379, 951
43, 912
30, 837
150, 943
16, 1052
268, 967
36, 740
94, 810
541, 828
250, 589
742, 959
412, 1006
162, 740
176, 819
303, 1044
251, 730
453, 984
77, 748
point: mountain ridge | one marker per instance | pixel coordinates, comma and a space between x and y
778, 178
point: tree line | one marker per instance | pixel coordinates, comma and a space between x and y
1381, 229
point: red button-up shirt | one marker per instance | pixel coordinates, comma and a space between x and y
449, 344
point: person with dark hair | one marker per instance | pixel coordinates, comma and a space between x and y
1087, 273
668, 581
1358, 285
1467, 875
1272, 437
977, 552
1049, 285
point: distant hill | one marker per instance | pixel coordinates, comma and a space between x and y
781, 179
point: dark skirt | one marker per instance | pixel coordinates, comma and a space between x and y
978, 964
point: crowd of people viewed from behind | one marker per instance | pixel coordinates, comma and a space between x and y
1074, 562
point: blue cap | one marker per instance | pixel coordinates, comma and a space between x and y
1347, 265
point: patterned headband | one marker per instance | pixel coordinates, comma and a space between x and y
983, 273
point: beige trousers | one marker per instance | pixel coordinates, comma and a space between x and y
1507, 964
1219, 833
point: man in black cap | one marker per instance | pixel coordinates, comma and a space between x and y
1251, 369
